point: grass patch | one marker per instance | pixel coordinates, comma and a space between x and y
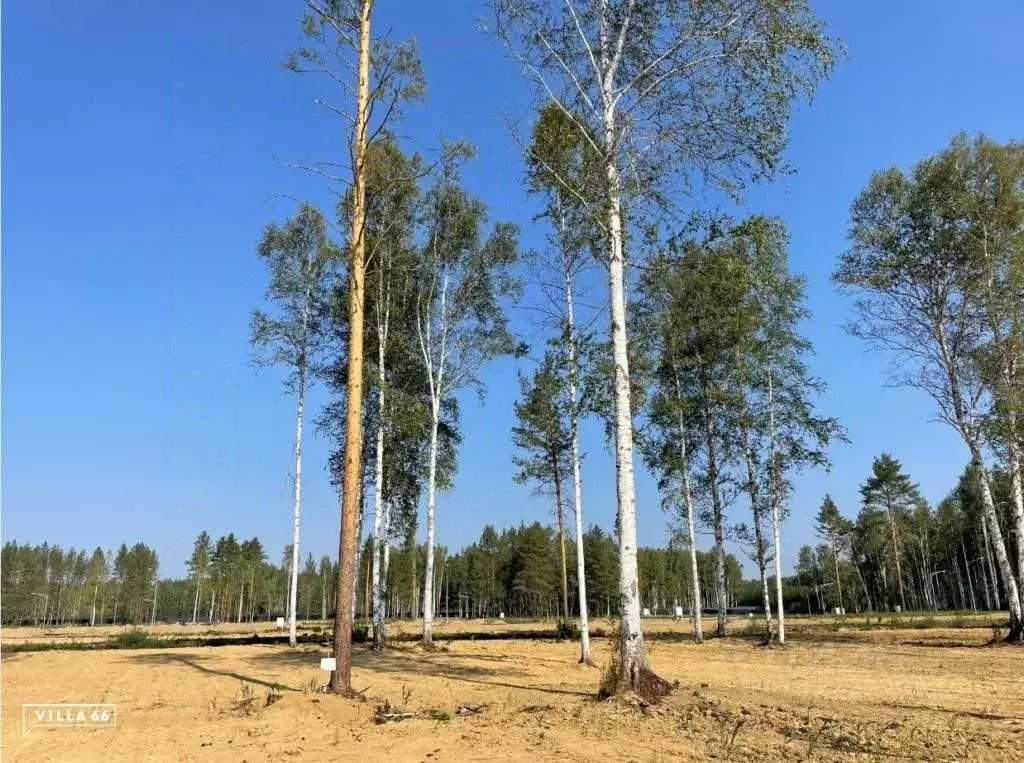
135, 639
567, 631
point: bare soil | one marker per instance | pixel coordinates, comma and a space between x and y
834, 693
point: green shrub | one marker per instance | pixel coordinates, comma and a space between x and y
135, 639
568, 631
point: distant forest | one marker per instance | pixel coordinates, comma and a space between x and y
945, 562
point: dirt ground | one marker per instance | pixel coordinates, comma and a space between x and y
912, 694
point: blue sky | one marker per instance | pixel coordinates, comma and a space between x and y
142, 154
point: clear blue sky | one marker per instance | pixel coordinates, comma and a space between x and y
139, 146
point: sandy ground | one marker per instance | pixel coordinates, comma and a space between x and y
909, 694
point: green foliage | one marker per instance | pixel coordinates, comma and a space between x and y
301, 261
540, 434
567, 631
136, 639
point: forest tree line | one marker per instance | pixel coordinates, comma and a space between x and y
941, 560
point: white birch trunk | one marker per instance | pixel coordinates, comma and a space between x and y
1008, 363
358, 557
383, 316
241, 601
698, 627
989, 566
293, 586
1013, 462
195, 607
378, 500
776, 519
436, 380
633, 656
970, 583
718, 516
386, 560
996, 538
756, 511
428, 573
574, 432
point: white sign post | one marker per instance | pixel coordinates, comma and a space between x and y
328, 663
280, 623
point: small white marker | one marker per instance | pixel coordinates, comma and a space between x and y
280, 623
328, 663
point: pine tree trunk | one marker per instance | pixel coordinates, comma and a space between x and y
341, 678
428, 572
293, 585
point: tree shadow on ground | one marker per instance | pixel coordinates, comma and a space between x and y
193, 661
954, 711
438, 664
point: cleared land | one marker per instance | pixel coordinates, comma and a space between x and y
837, 692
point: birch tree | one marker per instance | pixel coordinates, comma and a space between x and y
557, 151
694, 308
392, 199
983, 196
463, 280
667, 444
299, 257
662, 90
915, 297
780, 390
